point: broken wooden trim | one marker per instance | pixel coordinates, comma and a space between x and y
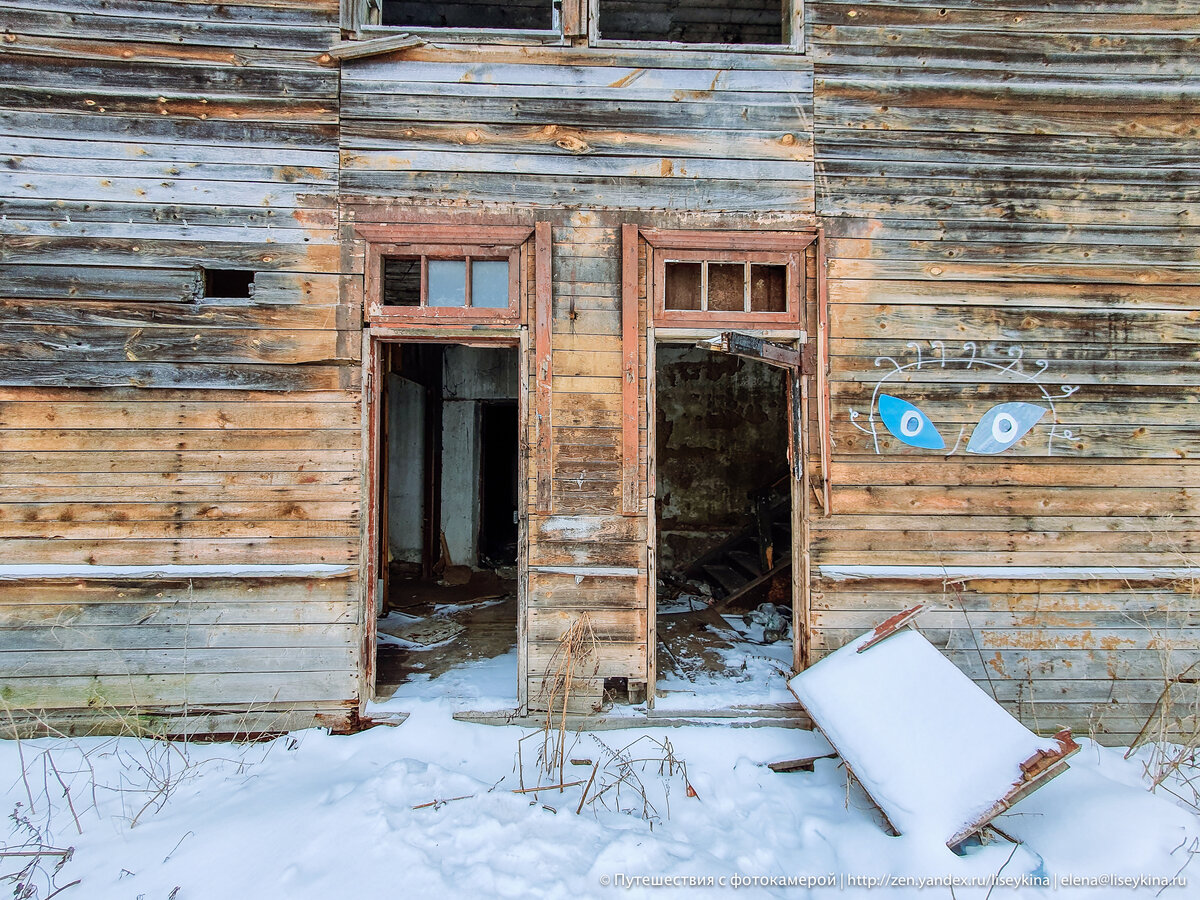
1035, 772
376, 46
802, 764
751, 347
888, 627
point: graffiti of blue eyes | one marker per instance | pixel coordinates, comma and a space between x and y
1000, 428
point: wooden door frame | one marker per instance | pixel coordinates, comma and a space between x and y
374, 338
798, 445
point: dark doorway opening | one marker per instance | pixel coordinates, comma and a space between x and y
723, 520
449, 463
498, 487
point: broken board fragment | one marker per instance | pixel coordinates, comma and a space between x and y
423, 632
803, 764
935, 753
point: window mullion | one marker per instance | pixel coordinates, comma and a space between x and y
704, 286
424, 280
467, 286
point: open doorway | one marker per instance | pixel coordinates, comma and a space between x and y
447, 464
723, 526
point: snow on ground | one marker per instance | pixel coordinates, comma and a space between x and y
750, 673
311, 815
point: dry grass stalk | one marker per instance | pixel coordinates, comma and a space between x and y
576, 650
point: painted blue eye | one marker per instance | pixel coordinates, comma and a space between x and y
1003, 425
909, 424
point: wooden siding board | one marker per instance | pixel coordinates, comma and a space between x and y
143, 425
994, 201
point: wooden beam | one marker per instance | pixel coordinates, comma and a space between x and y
543, 447
629, 383
823, 414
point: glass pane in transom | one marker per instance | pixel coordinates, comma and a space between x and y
489, 283
447, 282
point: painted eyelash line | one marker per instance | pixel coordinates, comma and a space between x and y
1013, 369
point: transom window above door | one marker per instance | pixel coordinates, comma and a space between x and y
453, 274
730, 279
464, 282
732, 283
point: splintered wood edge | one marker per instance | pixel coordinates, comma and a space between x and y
1022, 789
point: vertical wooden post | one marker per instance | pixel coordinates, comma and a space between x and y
574, 18
543, 329
823, 414
369, 563
801, 523
523, 549
629, 381
650, 588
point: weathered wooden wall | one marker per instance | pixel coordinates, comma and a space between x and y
1016, 181
142, 425
1010, 191
585, 140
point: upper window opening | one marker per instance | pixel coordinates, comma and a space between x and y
229, 284
730, 279
695, 21
449, 273
513, 15
463, 282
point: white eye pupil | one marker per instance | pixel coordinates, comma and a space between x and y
1003, 427
910, 424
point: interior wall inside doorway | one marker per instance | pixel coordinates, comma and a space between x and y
721, 426
444, 403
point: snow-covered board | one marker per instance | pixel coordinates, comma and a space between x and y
932, 750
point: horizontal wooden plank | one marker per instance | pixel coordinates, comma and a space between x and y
553, 589
237, 414
27, 512
550, 624
1001, 474
572, 79
78, 662
186, 638
179, 375
278, 530
149, 691
171, 596
181, 461
169, 551
596, 140
607, 659
205, 314
1004, 500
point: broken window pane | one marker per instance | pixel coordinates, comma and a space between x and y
682, 288
489, 283
447, 282
513, 14
768, 288
401, 281
726, 287
694, 21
